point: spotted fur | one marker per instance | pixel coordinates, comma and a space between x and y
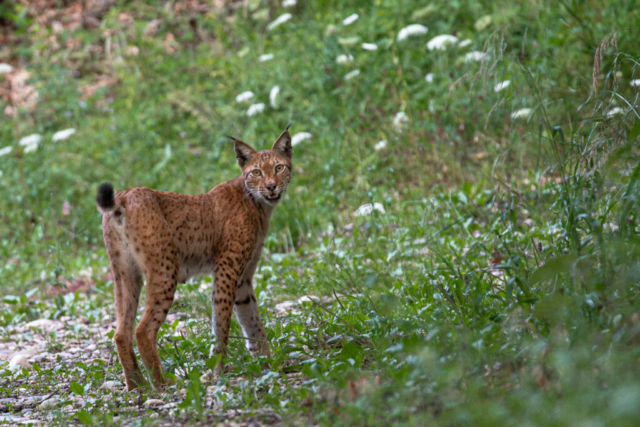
169, 237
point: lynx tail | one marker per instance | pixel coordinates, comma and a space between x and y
105, 198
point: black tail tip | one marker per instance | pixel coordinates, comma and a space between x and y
105, 197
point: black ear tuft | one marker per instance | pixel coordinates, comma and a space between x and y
232, 138
288, 126
283, 144
244, 152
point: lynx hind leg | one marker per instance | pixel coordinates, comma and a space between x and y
161, 288
127, 285
246, 309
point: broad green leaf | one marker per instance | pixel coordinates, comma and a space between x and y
212, 362
553, 267
77, 388
11, 299
84, 417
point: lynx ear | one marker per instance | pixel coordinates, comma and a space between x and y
283, 144
244, 152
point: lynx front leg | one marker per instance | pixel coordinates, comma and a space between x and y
224, 293
246, 308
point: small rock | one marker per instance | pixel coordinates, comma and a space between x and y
81, 401
39, 358
46, 324
20, 361
168, 406
153, 403
64, 355
212, 389
74, 350
208, 377
5, 418
111, 385
91, 347
50, 403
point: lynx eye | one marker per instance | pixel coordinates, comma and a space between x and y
280, 168
256, 172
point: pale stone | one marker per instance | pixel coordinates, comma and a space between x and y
20, 360
39, 358
153, 403
50, 403
111, 385
40, 323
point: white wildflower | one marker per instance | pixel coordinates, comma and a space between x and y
350, 19
429, 78
412, 30
522, 113
266, 57
5, 68
30, 148
400, 120
299, 137
351, 74
442, 42
368, 208
255, 109
6, 150
380, 145
289, 3
483, 23
244, 96
33, 139
273, 96
30, 142
279, 20
614, 111
63, 134
369, 46
634, 83
465, 43
348, 41
475, 56
344, 59
501, 85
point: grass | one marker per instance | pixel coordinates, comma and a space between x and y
499, 285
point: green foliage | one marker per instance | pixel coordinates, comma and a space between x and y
497, 286
196, 394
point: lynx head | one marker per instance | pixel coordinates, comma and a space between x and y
266, 173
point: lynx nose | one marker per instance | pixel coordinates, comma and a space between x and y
271, 186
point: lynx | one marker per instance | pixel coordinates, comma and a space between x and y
170, 237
